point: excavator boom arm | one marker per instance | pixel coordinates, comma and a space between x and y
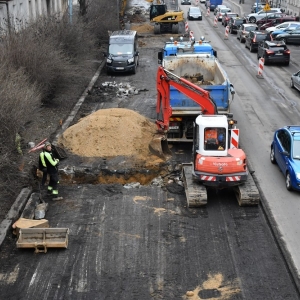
165, 79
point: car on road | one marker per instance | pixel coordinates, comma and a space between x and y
285, 30
278, 21
186, 2
273, 52
292, 37
221, 13
218, 8
253, 18
226, 17
234, 24
295, 81
194, 13
285, 151
244, 30
285, 25
268, 19
253, 39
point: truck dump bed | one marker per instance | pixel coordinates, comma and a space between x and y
203, 70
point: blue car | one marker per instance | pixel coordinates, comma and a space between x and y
285, 151
285, 30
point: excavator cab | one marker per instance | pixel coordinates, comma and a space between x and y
157, 10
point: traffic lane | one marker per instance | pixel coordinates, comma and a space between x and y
260, 107
143, 244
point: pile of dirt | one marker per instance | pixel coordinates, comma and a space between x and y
142, 28
109, 133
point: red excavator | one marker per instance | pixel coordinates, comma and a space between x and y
217, 160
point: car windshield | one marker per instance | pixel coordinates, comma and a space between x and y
194, 10
224, 10
249, 28
277, 48
120, 49
232, 15
260, 37
296, 149
238, 22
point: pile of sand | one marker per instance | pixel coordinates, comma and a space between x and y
142, 28
109, 133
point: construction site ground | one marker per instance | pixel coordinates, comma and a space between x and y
141, 241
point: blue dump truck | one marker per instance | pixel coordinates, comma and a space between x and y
212, 4
195, 61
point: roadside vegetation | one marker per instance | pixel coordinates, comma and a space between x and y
36, 63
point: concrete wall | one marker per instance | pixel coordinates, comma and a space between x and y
23, 11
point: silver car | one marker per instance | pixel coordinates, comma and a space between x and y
194, 13
222, 12
295, 81
253, 18
244, 30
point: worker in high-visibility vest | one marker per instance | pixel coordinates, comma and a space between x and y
43, 166
52, 169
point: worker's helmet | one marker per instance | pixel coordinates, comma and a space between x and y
202, 38
47, 144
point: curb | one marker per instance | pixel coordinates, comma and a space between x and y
14, 213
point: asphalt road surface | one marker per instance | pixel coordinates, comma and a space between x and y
144, 243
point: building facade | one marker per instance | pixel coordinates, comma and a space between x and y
18, 12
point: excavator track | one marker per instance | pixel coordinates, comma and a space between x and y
196, 193
247, 193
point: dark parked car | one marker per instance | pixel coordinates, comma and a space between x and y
253, 39
278, 21
244, 30
194, 13
292, 37
295, 81
226, 17
285, 151
268, 19
274, 52
234, 24
186, 2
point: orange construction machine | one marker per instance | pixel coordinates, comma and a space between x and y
217, 160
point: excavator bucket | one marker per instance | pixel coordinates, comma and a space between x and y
159, 146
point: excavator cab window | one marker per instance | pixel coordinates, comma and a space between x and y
214, 138
157, 10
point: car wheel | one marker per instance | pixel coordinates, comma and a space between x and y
134, 69
251, 48
283, 40
265, 61
252, 20
258, 56
287, 63
272, 156
292, 84
288, 181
